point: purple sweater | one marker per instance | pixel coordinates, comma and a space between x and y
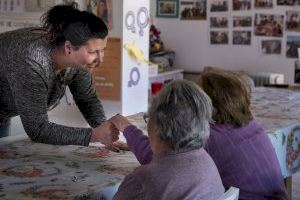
246, 159
254, 169
171, 176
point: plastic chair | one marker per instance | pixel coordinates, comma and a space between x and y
231, 194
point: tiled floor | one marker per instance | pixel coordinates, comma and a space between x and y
296, 186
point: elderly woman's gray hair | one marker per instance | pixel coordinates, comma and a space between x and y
182, 113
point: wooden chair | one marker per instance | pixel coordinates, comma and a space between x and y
231, 194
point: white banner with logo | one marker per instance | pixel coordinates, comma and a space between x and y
135, 55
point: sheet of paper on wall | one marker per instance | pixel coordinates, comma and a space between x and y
15, 6
39, 5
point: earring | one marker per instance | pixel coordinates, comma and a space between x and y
69, 52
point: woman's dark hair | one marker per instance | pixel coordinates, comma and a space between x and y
230, 98
66, 22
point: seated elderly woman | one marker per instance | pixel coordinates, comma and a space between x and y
238, 145
178, 128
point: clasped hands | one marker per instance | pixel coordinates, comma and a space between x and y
108, 133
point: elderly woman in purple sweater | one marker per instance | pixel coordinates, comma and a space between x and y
238, 145
178, 128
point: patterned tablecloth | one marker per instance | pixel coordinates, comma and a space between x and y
278, 111
39, 171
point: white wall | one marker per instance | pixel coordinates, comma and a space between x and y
190, 40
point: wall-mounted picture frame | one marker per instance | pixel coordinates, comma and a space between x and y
241, 21
241, 37
271, 47
218, 22
288, 2
219, 37
268, 25
193, 10
167, 8
292, 45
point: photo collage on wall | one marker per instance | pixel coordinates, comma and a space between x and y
239, 22
219, 22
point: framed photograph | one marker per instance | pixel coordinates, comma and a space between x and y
241, 37
269, 47
297, 71
263, 4
292, 45
218, 22
219, 6
288, 2
293, 21
242, 21
239, 5
193, 10
268, 25
167, 8
219, 37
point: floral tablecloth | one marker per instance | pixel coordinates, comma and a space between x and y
39, 171
278, 111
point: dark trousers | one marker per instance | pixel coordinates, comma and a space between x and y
4, 128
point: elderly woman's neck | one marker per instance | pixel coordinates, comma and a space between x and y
160, 147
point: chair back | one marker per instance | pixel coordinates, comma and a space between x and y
231, 194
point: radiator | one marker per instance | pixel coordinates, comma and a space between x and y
262, 78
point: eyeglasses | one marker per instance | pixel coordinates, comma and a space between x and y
146, 118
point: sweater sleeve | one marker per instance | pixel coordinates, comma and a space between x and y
30, 93
86, 98
139, 144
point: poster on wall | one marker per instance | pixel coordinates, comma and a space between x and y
39, 5
218, 22
219, 6
264, 4
268, 25
292, 21
219, 37
240, 5
241, 37
102, 9
193, 10
14, 6
241, 21
292, 45
270, 47
288, 2
7, 24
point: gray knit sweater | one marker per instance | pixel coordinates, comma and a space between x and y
29, 87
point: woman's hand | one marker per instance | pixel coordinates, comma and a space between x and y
118, 146
106, 133
120, 122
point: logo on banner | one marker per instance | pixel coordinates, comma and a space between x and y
136, 22
134, 77
142, 20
